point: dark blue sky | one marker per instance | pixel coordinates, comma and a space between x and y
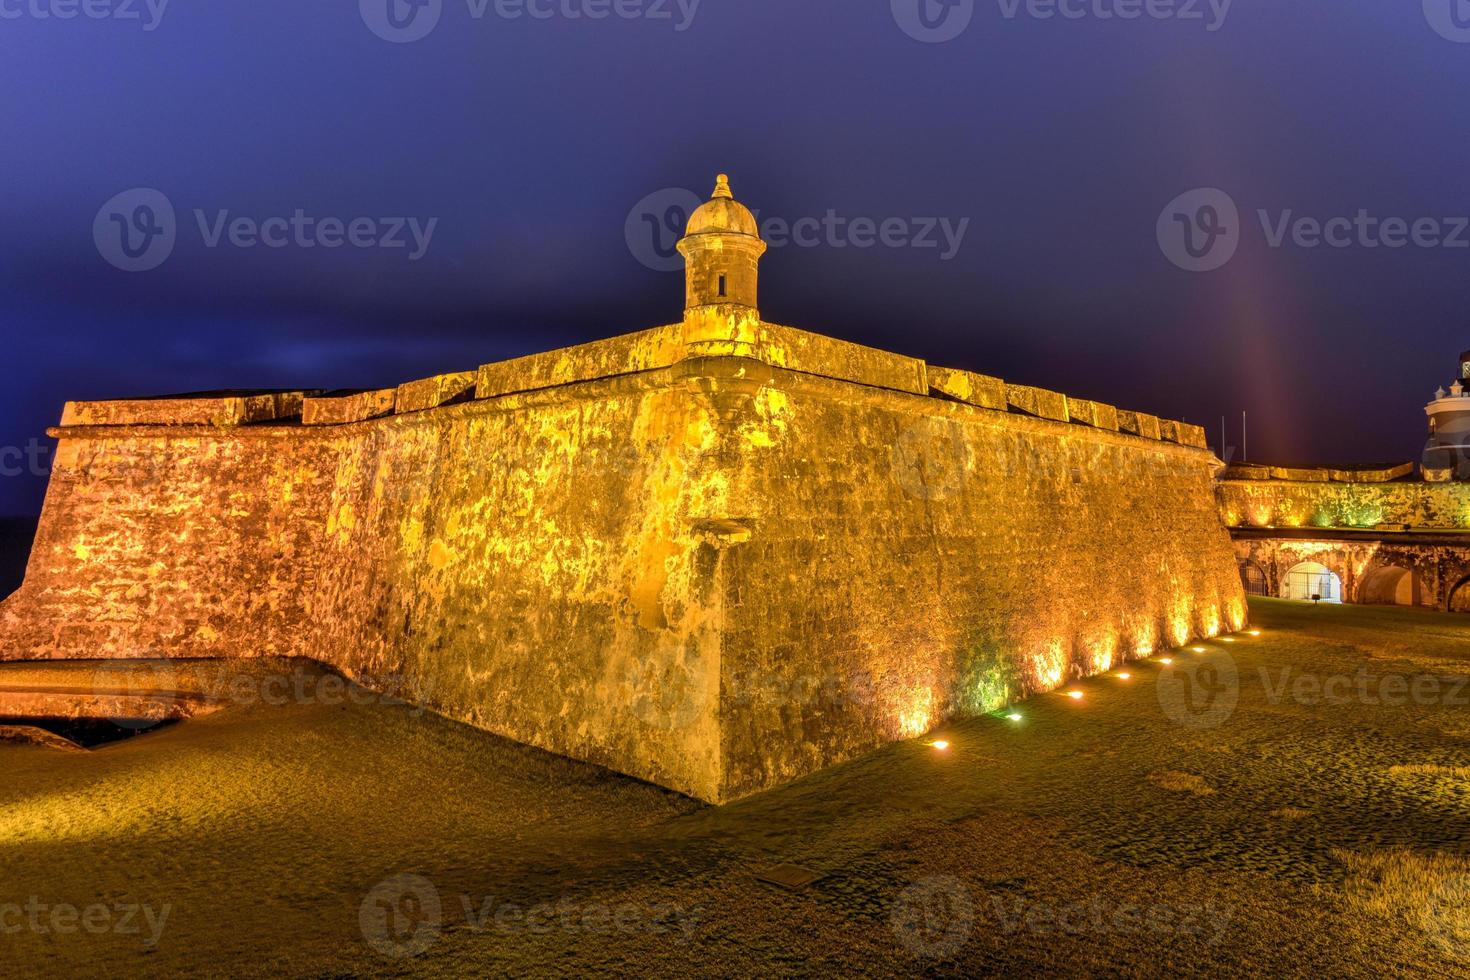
530, 140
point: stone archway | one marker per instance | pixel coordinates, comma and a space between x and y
1311, 581
1392, 585
1253, 577
1459, 600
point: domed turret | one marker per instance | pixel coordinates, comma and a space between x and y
1447, 454
722, 249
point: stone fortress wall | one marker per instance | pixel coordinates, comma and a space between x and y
716, 555
713, 572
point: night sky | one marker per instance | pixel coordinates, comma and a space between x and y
532, 141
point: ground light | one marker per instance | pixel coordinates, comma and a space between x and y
1227, 639
1254, 633
1166, 661
1125, 677
1075, 695
941, 745
1199, 649
1014, 717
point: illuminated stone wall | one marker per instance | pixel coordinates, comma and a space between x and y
713, 572
1342, 503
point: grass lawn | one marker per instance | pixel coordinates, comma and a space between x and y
1273, 805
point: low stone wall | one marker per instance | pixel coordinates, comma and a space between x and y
715, 573
1305, 498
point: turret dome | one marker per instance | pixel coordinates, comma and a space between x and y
722, 214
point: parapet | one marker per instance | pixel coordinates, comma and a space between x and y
647, 350
1319, 474
221, 409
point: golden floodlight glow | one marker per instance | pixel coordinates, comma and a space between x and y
1199, 649
941, 745
1255, 632
1166, 661
1227, 639
1013, 716
1125, 677
1075, 695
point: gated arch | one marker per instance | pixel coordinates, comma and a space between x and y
1253, 577
1309, 580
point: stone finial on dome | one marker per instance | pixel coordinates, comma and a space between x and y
722, 188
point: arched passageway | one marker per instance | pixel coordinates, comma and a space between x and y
1460, 597
1392, 585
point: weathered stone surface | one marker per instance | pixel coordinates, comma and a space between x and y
812, 353
344, 409
646, 350
1091, 413
1438, 560
417, 396
1037, 401
1191, 435
976, 389
222, 410
1322, 502
1368, 474
1139, 424
711, 580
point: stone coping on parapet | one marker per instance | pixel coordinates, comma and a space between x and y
1398, 533
1256, 472
716, 371
658, 348
222, 409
